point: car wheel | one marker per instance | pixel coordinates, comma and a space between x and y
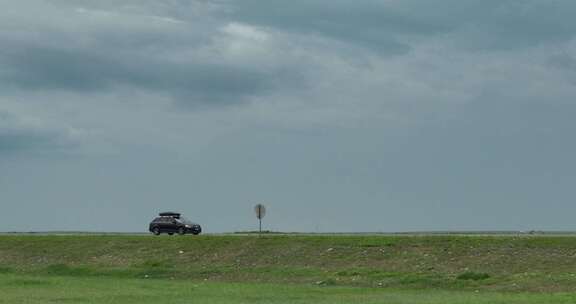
170, 233
156, 231
181, 231
196, 232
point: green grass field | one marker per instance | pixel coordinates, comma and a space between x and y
16, 289
287, 269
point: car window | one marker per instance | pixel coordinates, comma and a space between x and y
185, 221
166, 220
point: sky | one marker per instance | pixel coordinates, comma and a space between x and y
338, 116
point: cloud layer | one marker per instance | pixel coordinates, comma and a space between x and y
204, 54
395, 105
21, 136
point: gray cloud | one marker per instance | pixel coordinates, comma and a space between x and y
145, 52
563, 61
230, 52
44, 68
17, 136
371, 24
387, 26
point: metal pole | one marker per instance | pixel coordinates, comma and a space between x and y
260, 229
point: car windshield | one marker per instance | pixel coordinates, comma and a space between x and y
184, 220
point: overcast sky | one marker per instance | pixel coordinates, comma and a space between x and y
375, 115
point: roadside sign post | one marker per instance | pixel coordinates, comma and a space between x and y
260, 212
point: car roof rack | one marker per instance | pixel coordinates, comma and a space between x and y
172, 214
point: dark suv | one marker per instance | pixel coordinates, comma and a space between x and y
172, 222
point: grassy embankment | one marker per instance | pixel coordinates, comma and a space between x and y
297, 269
501, 263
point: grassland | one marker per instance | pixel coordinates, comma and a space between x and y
297, 269
16, 289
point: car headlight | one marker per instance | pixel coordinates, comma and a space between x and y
188, 226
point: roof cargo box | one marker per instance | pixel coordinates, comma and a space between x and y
172, 214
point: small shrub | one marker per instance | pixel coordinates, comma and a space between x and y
369, 245
417, 279
376, 245
156, 264
28, 282
348, 273
474, 276
65, 270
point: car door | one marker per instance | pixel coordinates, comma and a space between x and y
164, 224
171, 225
